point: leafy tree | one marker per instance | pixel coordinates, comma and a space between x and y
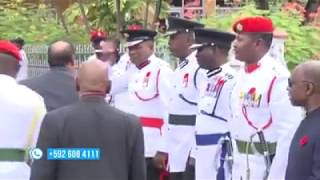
36, 24
103, 13
302, 42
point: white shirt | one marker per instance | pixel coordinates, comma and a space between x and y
180, 140
214, 102
149, 90
120, 78
251, 94
21, 114
186, 82
214, 112
121, 72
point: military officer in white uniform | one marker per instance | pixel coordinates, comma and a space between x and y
183, 103
149, 89
262, 112
21, 114
96, 37
120, 100
213, 148
124, 66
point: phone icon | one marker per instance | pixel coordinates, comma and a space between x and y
36, 153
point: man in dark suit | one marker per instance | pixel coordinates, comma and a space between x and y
92, 123
57, 86
304, 154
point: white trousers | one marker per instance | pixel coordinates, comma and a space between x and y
256, 165
208, 161
14, 171
180, 140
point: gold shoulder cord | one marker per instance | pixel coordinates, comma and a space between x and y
39, 110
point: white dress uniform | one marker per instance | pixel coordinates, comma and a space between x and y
120, 72
182, 112
149, 90
21, 114
120, 99
212, 125
260, 102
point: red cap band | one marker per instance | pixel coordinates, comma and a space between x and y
256, 24
97, 34
9, 48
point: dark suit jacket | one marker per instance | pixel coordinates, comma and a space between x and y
91, 123
304, 154
57, 87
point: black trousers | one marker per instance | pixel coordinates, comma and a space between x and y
189, 174
153, 173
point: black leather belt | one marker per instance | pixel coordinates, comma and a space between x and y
187, 120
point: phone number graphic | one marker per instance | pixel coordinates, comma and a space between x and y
73, 153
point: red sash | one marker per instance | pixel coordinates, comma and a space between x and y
151, 122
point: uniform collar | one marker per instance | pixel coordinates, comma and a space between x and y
183, 63
249, 68
144, 64
189, 58
213, 72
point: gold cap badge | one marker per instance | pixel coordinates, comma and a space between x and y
239, 27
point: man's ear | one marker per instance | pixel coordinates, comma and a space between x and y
77, 84
311, 88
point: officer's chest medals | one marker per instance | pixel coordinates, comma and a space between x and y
212, 93
185, 80
184, 76
147, 86
146, 79
251, 98
215, 86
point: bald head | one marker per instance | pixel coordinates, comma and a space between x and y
310, 70
93, 76
61, 53
304, 85
8, 65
